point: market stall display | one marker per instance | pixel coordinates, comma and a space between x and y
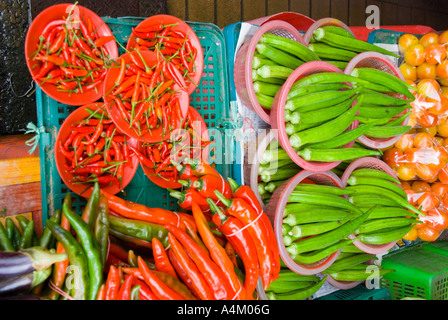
317, 205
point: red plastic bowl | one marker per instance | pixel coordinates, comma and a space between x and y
242, 71
278, 114
377, 164
82, 189
157, 134
32, 40
380, 62
201, 128
322, 23
183, 27
275, 211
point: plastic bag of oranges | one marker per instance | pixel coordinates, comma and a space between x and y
432, 199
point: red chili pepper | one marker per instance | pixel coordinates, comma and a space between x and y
207, 184
188, 271
145, 291
121, 74
46, 68
101, 292
151, 28
217, 252
101, 41
216, 280
201, 167
67, 154
137, 211
125, 84
112, 283
125, 290
100, 145
248, 195
144, 161
241, 210
95, 135
242, 242
57, 43
161, 259
51, 58
51, 25
84, 47
160, 289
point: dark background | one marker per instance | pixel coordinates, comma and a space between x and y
17, 103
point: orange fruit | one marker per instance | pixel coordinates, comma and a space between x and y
442, 129
405, 142
415, 55
405, 172
411, 235
426, 233
443, 37
428, 88
405, 41
409, 72
429, 38
442, 70
426, 71
435, 53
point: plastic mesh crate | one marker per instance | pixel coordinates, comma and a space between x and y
210, 99
419, 273
360, 292
439, 247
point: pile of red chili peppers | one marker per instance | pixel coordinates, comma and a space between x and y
145, 95
174, 45
72, 58
187, 142
96, 150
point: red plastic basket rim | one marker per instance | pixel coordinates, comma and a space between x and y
247, 50
278, 115
275, 210
372, 142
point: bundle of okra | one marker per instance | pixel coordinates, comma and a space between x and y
352, 264
391, 215
317, 221
275, 168
338, 46
274, 60
321, 107
294, 286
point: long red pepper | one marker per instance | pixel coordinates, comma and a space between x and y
134, 210
112, 283
188, 271
243, 244
241, 210
217, 281
217, 252
160, 289
161, 259
124, 292
247, 194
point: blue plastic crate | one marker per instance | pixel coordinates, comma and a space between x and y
211, 99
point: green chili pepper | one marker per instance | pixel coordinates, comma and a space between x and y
27, 236
135, 292
77, 259
5, 243
90, 247
90, 211
9, 225
139, 229
47, 236
101, 227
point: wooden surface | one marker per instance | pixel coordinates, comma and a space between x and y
20, 190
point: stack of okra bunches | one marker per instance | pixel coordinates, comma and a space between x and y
321, 107
276, 57
318, 219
